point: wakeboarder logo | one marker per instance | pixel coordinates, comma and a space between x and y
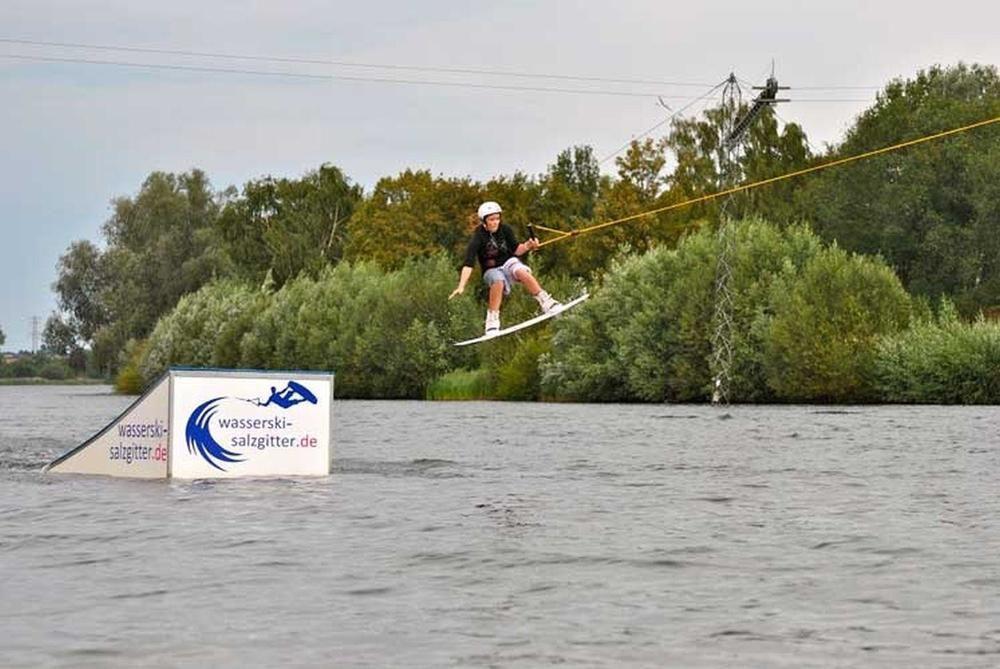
199, 435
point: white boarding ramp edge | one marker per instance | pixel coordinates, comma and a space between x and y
525, 324
134, 444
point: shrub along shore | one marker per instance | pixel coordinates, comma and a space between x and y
812, 323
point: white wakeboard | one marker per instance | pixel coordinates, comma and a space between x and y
525, 324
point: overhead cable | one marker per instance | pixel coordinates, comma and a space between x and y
376, 66
674, 115
345, 63
336, 77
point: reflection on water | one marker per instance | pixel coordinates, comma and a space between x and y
481, 534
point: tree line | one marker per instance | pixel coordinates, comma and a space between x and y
928, 216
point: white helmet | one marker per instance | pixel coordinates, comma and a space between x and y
487, 208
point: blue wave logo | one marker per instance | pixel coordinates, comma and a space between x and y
200, 439
198, 430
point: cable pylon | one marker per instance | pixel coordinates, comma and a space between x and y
722, 334
35, 333
733, 130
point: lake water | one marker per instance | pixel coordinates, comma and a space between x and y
518, 535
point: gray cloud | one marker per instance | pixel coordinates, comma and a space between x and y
74, 136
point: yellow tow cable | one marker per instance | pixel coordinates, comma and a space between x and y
564, 234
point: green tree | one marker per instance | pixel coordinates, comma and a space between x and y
413, 215
160, 245
3, 337
517, 376
571, 184
58, 337
53, 369
80, 288
282, 227
585, 363
766, 151
638, 188
129, 380
666, 344
694, 149
930, 210
771, 151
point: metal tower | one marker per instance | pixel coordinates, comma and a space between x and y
732, 132
34, 334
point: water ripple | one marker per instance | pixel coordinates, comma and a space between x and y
491, 534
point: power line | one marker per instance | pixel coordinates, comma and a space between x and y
704, 97
344, 77
381, 66
750, 84
344, 63
838, 88
337, 77
774, 110
770, 70
646, 132
781, 118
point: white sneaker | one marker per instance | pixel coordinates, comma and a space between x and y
549, 304
492, 322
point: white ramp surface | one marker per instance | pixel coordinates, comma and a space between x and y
134, 445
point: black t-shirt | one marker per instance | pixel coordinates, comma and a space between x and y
492, 249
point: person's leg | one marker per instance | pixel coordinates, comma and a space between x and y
498, 285
496, 295
524, 276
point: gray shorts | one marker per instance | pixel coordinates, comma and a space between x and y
504, 273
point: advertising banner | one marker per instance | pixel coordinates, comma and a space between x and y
250, 424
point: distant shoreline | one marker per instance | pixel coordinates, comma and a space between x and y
38, 381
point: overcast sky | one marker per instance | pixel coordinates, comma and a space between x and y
75, 135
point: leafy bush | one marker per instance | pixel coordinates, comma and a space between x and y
384, 334
23, 368
646, 334
205, 329
517, 377
55, 370
941, 361
806, 323
461, 384
584, 363
129, 379
826, 321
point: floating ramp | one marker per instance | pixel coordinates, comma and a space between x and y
197, 423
